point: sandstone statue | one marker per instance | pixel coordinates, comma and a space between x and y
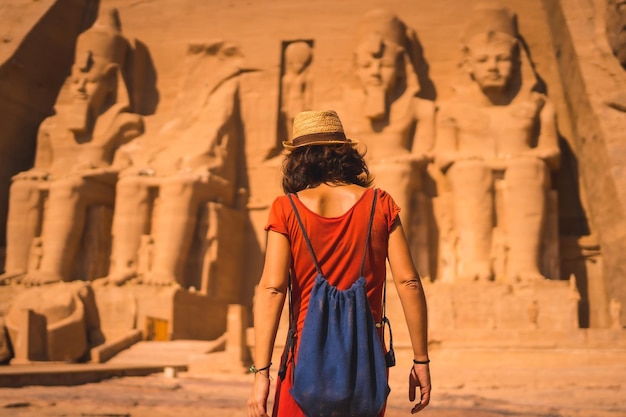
497, 145
75, 149
615, 312
58, 322
167, 180
296, 83
383, 110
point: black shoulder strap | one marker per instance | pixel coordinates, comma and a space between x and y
304, 234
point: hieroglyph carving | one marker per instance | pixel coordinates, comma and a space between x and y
75, 150
496, 144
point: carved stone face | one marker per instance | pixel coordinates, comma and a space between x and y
298, 56
91, 82
377, 64
491, 61
90, 85
296, 65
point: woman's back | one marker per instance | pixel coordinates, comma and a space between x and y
336, 220
331, 200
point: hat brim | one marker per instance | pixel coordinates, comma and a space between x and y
290, 146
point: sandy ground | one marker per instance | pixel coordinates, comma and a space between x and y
465, 383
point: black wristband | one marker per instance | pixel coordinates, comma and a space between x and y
254, 369
416, 362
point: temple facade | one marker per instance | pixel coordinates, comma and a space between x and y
141, 151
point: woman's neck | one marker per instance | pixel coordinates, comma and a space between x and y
331, 200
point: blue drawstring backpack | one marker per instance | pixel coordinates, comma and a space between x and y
341, 368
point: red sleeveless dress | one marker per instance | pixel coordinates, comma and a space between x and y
338, 243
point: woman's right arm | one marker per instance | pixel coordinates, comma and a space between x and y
411, 293
268, 305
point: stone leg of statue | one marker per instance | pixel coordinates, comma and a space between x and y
95, 336
472, 188
173, 230
397, 178
64, 223
402, 180
525, 200
131, 220
22, 227
180, 200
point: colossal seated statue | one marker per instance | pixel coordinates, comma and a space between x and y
382, 110
75, 149
167, 180
497, 144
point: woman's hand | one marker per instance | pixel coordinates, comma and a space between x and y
419, 378
257, 402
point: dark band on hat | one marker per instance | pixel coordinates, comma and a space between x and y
319, 137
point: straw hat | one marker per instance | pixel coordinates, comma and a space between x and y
317, 128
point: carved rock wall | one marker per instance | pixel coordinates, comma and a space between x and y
260, 29
595, 86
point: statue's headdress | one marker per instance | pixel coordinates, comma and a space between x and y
390, 29
384, 23
491, 18
104, 42
104, 39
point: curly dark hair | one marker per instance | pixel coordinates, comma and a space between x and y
310, 166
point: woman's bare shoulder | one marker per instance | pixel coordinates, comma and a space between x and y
331, 200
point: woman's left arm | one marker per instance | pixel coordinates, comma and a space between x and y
411, 294
268, 305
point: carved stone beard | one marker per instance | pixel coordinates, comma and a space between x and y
494, 90
79, 118
375, 102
